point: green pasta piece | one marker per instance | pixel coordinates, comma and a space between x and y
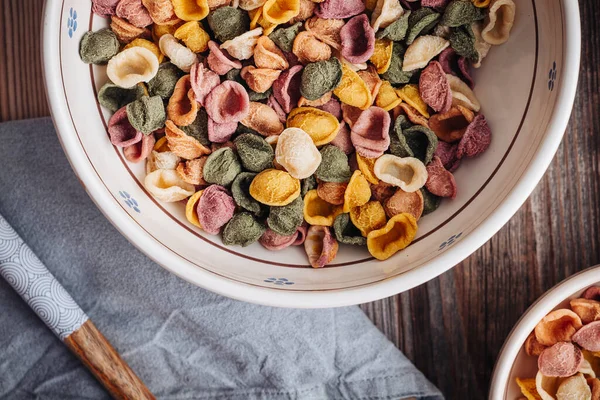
334, 165
147, 114
242, 230
98, 47
228, 22
114, 97
320, 77
286, 219
221, 167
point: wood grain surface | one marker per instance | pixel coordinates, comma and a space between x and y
103, 361
453, 327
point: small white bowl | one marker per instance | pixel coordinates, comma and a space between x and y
526, 87
513, 362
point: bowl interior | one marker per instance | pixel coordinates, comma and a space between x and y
518, 87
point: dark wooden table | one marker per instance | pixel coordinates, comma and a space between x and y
452, 328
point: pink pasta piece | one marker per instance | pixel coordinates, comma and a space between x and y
350, 114
476, 140
134, 12
301, 231
370, 133
219, 61
121, 133
440, 181
592, 293
274, 241
342, 140
227, 103
104, 8
562, 359
437, 4
286, 88
456, 65
215, 208
447, 154
358, 39
434, 88
588, 336
274, 104
141, 150
220, 133
339, 9
203, 81
333, 107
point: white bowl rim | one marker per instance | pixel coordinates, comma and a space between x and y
311, 299
525, 325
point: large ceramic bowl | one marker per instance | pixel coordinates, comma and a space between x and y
513, 362
526, 88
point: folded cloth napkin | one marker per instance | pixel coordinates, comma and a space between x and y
184, 342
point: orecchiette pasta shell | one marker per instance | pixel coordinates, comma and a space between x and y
297, 153
183, 107
408, 173
462, 95
183, 145
385, 12
320, 246
268, 55
132, 66
499, 21
242, 47
180, 55
423, 50
125, 31
166, 185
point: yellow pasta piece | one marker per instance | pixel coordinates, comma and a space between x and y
368, 217
275, 188
195, 38
396, 235
280, 11
258, 20
410, 94
319, 212
191, 10
358, 192
387, 98
320, 125
367, 166
190, 209
382, 55
353, 90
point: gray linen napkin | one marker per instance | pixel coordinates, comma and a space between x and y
183, 341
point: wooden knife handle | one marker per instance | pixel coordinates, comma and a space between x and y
98, 355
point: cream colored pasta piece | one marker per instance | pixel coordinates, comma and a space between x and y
423, 50
297, 153
242, 47
161, 160
462, 95
574, 388
408, 173
180, 55
249, 5
132, 66
499, 22
546, 386
166, 185
481, 46
586, 368
385, 12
